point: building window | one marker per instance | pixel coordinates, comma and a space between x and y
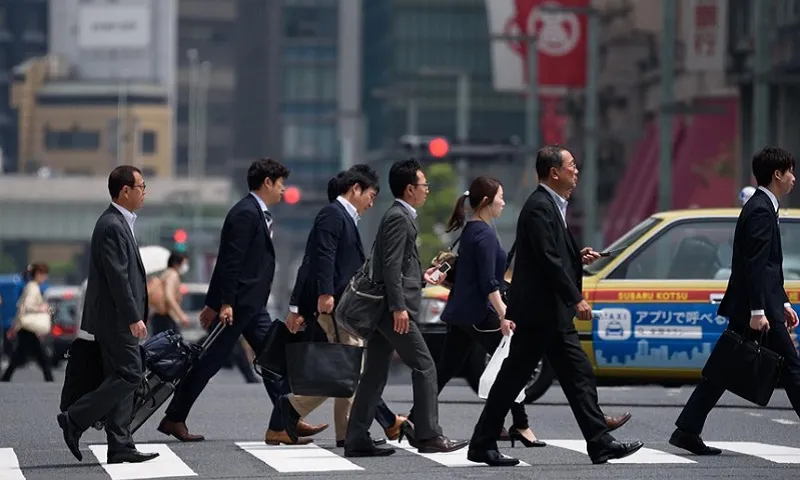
310, 82
33, 21
149, 142
3, 22
74, 139
316, 22
309, 140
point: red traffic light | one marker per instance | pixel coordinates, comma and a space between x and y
438, 147
180, 236
291, 195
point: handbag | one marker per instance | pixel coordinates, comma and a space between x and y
493, 368
450, 257
744, 367
35, 322
270, 363
362, 303
167, 355
321, 369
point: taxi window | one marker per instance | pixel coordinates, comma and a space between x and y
624, 241
689, 250
790, 242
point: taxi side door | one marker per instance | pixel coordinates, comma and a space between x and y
657, 307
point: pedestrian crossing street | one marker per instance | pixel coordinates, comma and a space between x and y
313, 458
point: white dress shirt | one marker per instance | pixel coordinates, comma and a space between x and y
408, 206
263, 207
130, 217
775, 204
561, 202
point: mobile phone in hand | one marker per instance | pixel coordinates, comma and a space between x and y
443, 268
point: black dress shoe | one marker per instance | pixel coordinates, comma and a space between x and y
130, 456
369, 452
614, 450
691, 442
493, 458
375, 441
72, 435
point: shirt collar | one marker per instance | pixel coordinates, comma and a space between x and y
560, 201
351, 210
771, 196
409, 207
129, 216
261, 203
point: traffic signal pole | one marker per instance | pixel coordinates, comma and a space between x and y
462, 126
591, 232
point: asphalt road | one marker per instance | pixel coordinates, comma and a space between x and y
233, 416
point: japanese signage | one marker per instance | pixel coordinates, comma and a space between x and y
704, 34
109, 26
561, 42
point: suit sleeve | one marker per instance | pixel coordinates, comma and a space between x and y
327, 233
299, 283
486, 256
756, 255
393, 238
115, 259
541, 231
241, 229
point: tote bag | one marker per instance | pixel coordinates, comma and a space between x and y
493, 367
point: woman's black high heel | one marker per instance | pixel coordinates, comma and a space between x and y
514, 435
406, 430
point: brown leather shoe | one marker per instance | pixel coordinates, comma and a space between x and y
614, 423
440, 444
178, 430
307, 430
277, 438
393, 432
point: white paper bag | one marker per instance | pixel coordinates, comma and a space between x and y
493, 367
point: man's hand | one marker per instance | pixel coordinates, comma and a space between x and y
400, 322
185, 320
139, 330
507, 326
589, 256
431, 279
759, 322
294, 321
583, 310
790, 316
207, 316
325, 304
226, 314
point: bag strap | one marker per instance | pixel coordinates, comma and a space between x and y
456, 242
335, 328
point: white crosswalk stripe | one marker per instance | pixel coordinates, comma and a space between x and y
318, 459
9, 465
167, 464
298, 458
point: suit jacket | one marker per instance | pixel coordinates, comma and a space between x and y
756, 281
116, 288
245, 265
548, 273
396, 260
333, 255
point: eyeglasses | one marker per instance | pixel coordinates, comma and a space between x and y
426, 186
142, 186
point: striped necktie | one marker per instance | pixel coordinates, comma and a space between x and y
269, 222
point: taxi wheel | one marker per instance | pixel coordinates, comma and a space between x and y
538, 384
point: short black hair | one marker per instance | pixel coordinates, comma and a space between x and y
549, 156
122, 176
175, 259
333, 186
265, 168
402, 174
769, 160
362, 175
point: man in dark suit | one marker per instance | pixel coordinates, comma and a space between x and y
114, 312
396, 264
544, 296
239, 288
755, 298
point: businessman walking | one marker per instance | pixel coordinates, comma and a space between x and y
548, 276
755, 298
114, 312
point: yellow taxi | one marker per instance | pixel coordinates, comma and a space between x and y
656, 296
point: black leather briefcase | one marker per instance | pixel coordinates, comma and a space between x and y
270, 362
744, 367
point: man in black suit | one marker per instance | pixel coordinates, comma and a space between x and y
114, 312
755, 298
397, 265
544, 296
239, 288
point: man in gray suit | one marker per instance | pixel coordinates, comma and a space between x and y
114, 312
397, 265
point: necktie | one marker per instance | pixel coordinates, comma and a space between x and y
269, 222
